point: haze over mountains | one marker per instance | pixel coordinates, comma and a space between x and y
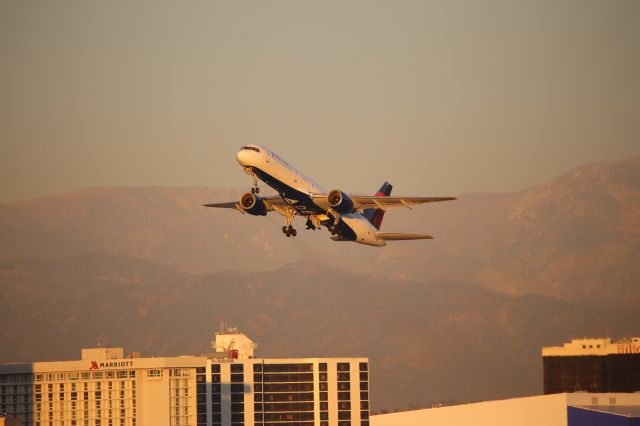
462, 316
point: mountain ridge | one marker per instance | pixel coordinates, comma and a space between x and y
565, 238
413, 332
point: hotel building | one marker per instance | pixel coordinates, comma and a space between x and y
226, 387
592, 365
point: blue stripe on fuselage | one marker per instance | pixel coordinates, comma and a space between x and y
302, 202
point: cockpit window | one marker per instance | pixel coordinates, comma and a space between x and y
252, 148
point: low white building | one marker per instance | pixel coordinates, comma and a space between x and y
565, 409
226, 387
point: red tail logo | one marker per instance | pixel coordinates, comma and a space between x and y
375, 215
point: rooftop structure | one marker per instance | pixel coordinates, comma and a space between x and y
597, 346
592, 365
233, 344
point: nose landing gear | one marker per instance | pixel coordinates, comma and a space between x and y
254, 189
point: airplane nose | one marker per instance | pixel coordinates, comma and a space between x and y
242, 156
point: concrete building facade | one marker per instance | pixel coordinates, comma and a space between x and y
227, 387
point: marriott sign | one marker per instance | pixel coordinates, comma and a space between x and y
95, 365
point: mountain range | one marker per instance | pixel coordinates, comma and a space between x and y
460, 317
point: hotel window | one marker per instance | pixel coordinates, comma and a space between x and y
344, 405
343, 377
154, 373
344, 386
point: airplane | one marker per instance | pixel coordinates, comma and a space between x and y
348, 217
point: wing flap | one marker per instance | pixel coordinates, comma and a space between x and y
271, 203
399, 236
362, 202
228, 205
367, 201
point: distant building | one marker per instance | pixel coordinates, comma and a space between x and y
8, 420
592, 365
225, 387
566, 409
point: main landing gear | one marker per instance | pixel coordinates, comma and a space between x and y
334, 227
289, 231
310, 225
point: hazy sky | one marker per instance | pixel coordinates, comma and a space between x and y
437, 97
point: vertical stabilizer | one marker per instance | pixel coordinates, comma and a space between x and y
375, 215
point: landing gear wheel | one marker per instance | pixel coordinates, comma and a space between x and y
253, 190
257, 190
289, 231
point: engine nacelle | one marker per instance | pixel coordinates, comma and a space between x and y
253, 204
340, 202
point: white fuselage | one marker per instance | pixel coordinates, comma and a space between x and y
294, 186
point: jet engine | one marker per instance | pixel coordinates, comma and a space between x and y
340, 202
253, 204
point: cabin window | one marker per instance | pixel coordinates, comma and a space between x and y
252, 148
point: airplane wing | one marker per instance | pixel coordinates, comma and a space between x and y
398, 236
382, 202
269, 202
362, 202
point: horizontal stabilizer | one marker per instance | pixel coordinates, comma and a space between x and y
399, 236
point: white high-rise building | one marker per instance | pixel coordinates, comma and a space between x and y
226, 387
